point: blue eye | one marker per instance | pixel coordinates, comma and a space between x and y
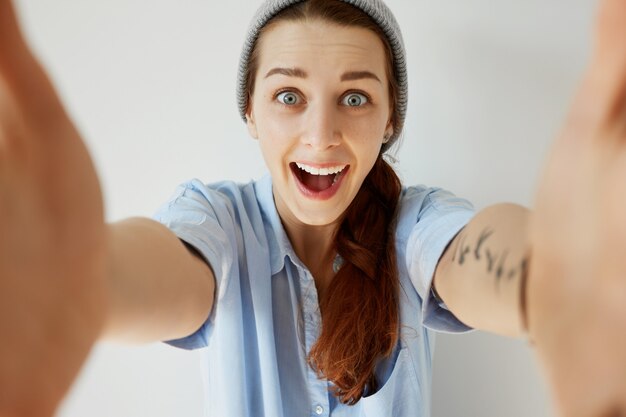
355, 100
287, 98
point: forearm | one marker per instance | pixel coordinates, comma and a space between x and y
479, 275
158, 290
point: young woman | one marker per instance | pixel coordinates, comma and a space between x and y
316, 289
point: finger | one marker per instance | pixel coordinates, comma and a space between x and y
598, 110
13, 146
598, 113
608, 67
31, 90
10, 35
5, 109
610, 32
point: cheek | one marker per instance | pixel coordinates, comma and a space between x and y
275, 150
366, 136
366, 130
274, 123
269, 152
369, 160
367, 152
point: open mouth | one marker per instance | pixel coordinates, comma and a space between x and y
320, 183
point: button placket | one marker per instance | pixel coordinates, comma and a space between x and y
310, 309
312, 320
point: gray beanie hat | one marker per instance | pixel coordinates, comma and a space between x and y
376, 9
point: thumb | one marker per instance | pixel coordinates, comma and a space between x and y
606, 78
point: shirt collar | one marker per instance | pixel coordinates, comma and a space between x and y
278, 241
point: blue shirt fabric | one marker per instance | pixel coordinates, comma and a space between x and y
265, 317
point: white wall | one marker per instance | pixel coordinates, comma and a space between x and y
151, 86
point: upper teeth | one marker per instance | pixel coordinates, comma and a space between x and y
321, 171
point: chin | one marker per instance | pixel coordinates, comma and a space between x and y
318, 219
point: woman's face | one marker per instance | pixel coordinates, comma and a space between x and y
320, 110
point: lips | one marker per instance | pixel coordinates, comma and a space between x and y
318, 182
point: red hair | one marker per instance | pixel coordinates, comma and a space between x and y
360, 321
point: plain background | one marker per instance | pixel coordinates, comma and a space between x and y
150, 84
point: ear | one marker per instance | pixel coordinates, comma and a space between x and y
250, 121
389, 129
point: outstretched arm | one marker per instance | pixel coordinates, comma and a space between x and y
66, 278
479, 275
577, 276
52, 238
576, 282
157, 288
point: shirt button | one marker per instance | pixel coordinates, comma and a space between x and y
319, 410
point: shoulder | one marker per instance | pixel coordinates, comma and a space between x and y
220, 191
431, 212
218, 219
228, 206
418, 202
219, 197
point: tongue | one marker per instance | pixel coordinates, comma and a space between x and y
317, 182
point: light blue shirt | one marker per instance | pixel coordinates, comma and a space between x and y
266, 317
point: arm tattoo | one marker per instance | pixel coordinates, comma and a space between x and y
464, 251
496, 262
500, 269
484, 235
490, 260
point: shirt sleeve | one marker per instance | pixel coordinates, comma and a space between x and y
200, 217
441, 216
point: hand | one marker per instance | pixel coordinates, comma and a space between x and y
52, 237
577, 280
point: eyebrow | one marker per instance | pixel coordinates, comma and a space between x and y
359, 75
289, 72
299, 73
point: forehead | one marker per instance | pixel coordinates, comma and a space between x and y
316, 44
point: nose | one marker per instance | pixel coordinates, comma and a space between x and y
321, 130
